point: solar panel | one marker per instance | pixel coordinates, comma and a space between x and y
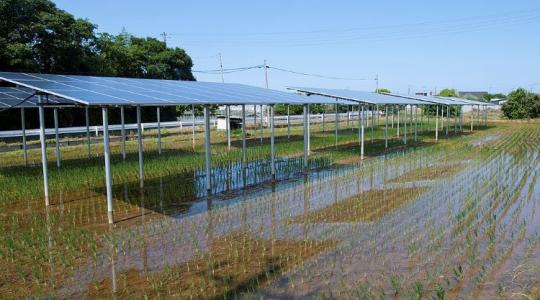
18, 97
430, 99
359, 96
465, 101
91, 90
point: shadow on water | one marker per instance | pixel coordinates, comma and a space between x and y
185, 193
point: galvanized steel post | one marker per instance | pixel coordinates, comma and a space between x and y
107, 157
306, 141
43, 141
437, 124
272, 143
228, 125
386, 128
244, 160
207, 147
87, 117
140, 146
158, 112
23, 131
56, 137
337, 126
123, 132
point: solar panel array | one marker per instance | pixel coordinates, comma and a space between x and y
19, 97
91, 90
360, 96
432, 100
466, 101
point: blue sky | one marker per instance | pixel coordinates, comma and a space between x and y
421, 45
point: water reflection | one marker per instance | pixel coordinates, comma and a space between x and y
411, 235
185, 193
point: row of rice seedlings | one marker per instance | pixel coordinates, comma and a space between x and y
91, 171
197, 225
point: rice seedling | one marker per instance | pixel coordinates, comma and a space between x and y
453, 219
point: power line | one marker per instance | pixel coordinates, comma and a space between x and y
242, 69
401, 32
463, 20
317, 75
227, 71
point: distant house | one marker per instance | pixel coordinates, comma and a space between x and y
473, 95
497, 101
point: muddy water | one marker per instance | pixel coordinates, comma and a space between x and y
466, 232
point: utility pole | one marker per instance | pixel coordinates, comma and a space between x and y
221, 67
408, 89
377, 83
266, 73
266, 83
164, 36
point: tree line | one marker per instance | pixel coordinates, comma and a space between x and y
38, 37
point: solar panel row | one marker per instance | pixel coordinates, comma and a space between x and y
381, 99
24, 98
466, 101
367, 97
90, 90
433, 100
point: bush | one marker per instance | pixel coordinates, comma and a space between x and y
522, 105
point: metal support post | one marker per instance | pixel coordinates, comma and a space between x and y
23, 131
272, 143
207, 152
107, 156
228, 125
56, 137
158, 112
386, 128
123, 132
87, 116
43, 141
140, 146
244, 159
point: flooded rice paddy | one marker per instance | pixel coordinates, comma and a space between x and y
453, 220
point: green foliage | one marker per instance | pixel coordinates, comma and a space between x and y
125, 55
383, 91
448, 93
521, 105
281, 109
36, 36
183, 110
489, 97
432, 110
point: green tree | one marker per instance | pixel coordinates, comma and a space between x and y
489, 97
281, 109
448, 93
521, 105
432, 109
125, 55
383, 91
35, 36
